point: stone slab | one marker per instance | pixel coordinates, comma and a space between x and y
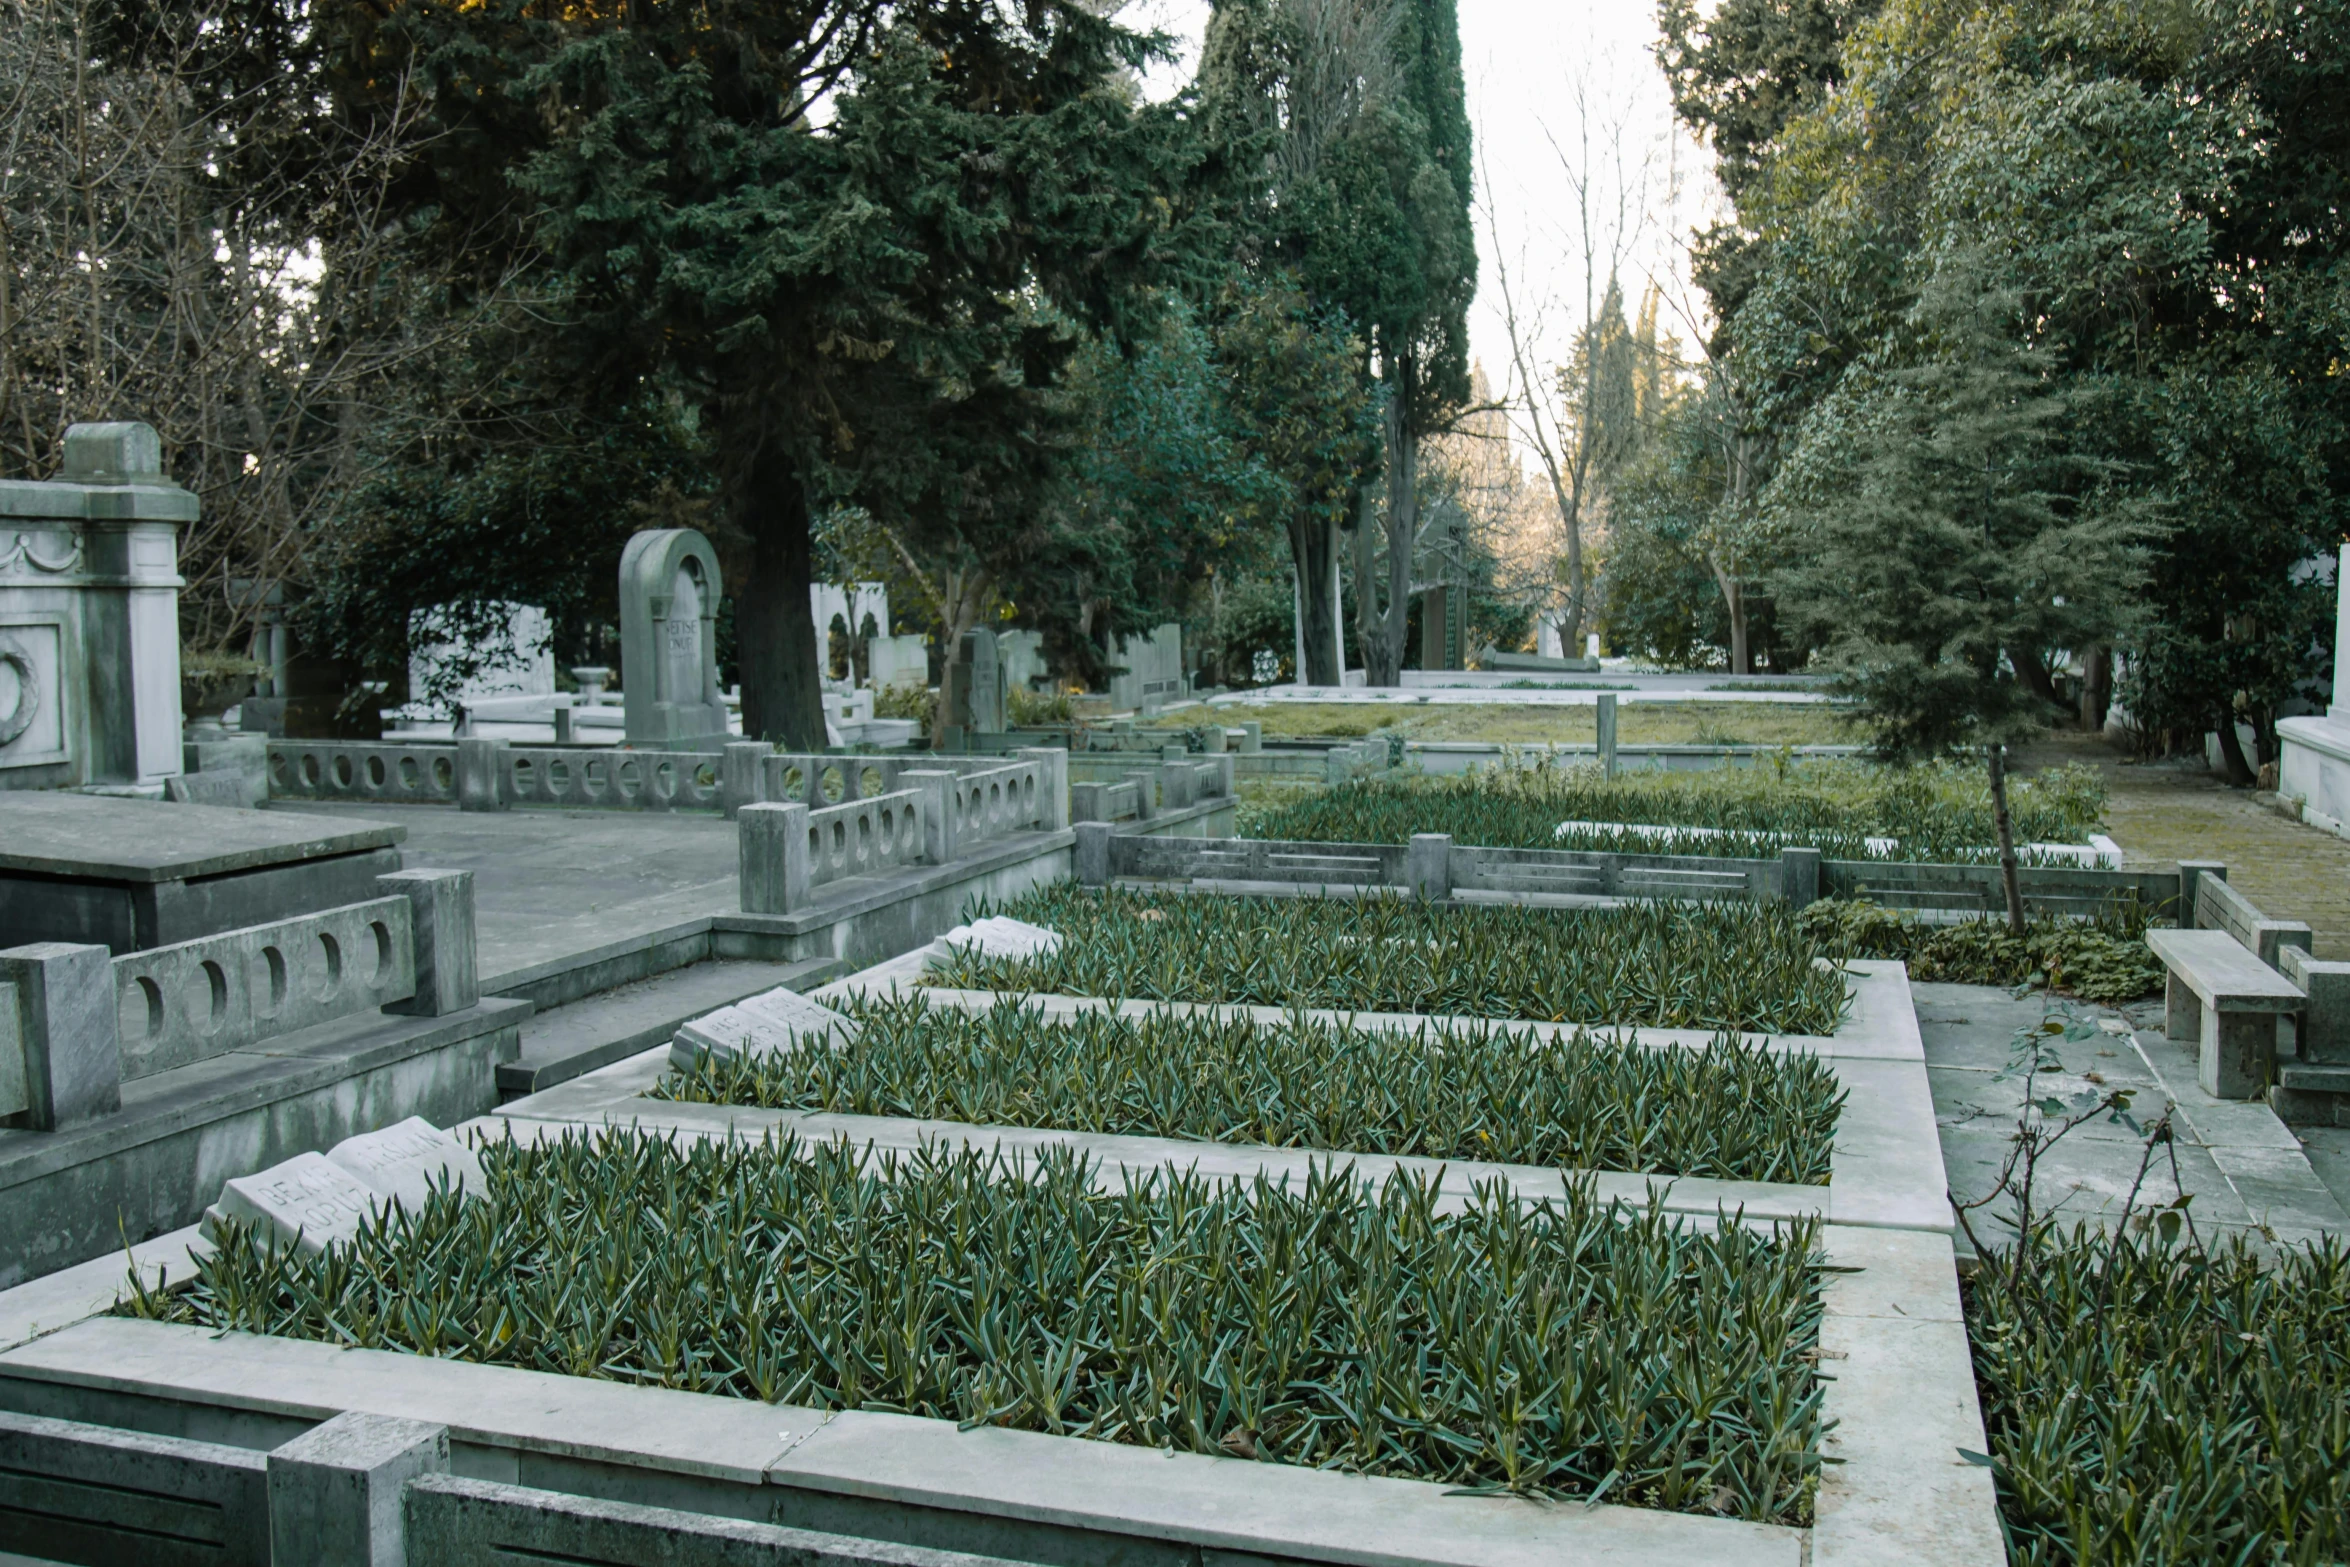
92, 838
774, 1022
2212, 963
407, 1161
230, 791
308, 1202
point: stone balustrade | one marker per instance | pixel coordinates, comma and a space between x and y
86, 1022
362, 770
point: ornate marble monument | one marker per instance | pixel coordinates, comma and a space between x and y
669, 588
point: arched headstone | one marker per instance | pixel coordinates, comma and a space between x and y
669, 592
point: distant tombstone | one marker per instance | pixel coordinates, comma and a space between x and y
1444, 628
899, 663
224, 788
851, 604
999, 936
407, 1160
669, 591
89, 616
974, 690
517, 659
1154, 670
1021, 653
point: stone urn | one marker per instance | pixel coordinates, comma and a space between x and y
206, 692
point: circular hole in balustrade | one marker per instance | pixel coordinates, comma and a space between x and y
140, 1012
599, 779
525, 778
272, 990
376, 772
889, 828
664, 781
342, 771
870, 783
277, 767
410, 774
382, 953
208, 998
308, 768
329, 977
864, 837
558, 778
795, 783
705, 777
840, 839
833, 785
632, 780
444, 775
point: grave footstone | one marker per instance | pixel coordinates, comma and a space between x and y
225, 789
771, 1023
1000, 937
309, 1202
407, 1161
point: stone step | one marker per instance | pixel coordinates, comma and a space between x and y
563, 1042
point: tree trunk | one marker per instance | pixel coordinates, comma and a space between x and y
2231, 751
1314, 555
1369, 623
1734, 600
2096, 687
1403, 528
2033, 672
775, 629
2008, 880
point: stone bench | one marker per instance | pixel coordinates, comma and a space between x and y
2224, 1000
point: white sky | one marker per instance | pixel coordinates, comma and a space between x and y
1526, 62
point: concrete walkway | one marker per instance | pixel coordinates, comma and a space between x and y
547, 883
2247, 1170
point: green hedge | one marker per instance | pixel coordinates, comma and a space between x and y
2106, 961
1730, 1111
1713, 966
1557, 1349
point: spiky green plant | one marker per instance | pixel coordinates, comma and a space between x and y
1712, 966
1731, 1111
2103, 960
2154, 1402
1937, 814
1548, 1349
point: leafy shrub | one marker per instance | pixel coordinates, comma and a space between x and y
1939, 813
1731, 1111
2164, 1403
1029, 707
915, 702
2106, 961
1565, 1348
1722, 965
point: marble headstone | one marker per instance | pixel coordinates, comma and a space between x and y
1001, 937
770, 1023
406, 1161
309, 1201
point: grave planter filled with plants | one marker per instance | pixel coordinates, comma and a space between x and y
1710, 966
1576, 1348
1938, 814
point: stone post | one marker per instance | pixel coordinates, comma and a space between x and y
335, 1491
66, 1019
936, 786
1224, 776
1093, 853
772, 845
1176, 784
1428, 866
481, 774
1146, 793
2191, 872
440, 906
1087, 802
1799, 877
2323, 1034
1215, 739
741, 780
1607, 734
564, 733
1055, 786
1252, 737
1174, 753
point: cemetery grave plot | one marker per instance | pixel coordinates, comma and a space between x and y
1847, 810
1427, 716
1576, 1349
1730, 1109
1716, 966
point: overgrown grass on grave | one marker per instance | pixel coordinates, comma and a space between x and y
1936, 814
1710, 966
2152, 1401
2105, 960
1574, 1348
1730, 1111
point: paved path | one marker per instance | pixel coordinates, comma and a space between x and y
547, 883
2247, 1170
2164, 812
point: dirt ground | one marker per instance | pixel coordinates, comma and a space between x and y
1637, 723
2163, 812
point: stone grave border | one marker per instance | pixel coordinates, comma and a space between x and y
1901, 1396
